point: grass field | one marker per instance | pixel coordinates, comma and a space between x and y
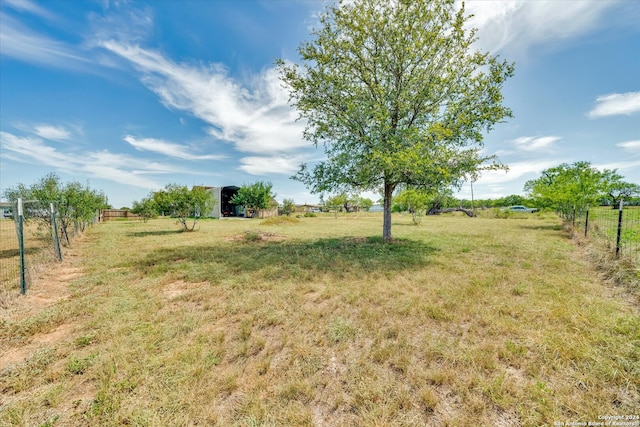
315, 321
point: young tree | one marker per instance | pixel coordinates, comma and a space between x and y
365, 203
75, 204
255, 197
414, 201
288, 207
396, 94
146, 208
78, 206
163, 203
336, 203
188, 204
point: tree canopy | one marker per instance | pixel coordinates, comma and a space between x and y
396, 94
186, 205
574, 186
255, 196
616, 189
74, 203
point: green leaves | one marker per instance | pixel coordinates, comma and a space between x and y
395, 93
568, 186
74, 202
177, 200
255, 196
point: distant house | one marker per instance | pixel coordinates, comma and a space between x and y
307, 208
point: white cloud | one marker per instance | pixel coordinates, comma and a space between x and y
616, 104
254, 117
518, 25
18, 41
632, 146
256, 165
28, 6
633, 165
168, 149
516, 171
127, 21
118, 168
535, 143
56, 133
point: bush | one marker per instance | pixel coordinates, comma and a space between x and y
279, 220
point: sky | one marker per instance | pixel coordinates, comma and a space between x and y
129, 96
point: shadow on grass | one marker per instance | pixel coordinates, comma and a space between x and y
10, 253
153, 233
333, 256
553, 227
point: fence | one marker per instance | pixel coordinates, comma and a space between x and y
107, 214
29, 240
616, 228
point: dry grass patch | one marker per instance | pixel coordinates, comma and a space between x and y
460, 321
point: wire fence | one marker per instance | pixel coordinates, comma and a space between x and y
29, 242
617, 229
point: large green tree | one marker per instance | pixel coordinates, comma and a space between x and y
397, 94
567, 187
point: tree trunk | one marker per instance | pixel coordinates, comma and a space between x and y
386, 224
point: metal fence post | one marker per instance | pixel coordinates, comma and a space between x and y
54, 230
618, 238
586, 222
20, 229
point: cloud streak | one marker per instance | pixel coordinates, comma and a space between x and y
516, 171
257, 165
19, 42
616, 104
254, 117
118, 168
630, 146
535, 143
519, 25
56, 133
169, 149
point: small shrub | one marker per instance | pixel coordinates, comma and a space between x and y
309, 215
341, 329
502, 214
78, 366
252, 236
280, 220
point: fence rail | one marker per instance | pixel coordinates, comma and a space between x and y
618, 229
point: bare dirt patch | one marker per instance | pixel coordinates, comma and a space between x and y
18, 354
46, 289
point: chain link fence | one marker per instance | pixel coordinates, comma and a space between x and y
29, 242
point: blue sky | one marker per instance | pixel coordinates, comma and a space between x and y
131, 96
